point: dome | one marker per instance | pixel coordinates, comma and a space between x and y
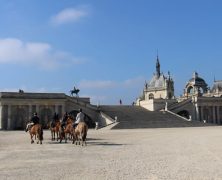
196, 85
197, 81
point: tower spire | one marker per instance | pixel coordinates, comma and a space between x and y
157, 66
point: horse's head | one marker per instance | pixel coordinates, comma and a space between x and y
70, 119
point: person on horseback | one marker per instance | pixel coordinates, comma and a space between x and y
33, 121
64, 120
79, 118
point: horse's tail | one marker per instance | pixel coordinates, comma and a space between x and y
84, 132
40, 132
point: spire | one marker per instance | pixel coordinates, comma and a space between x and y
157, 67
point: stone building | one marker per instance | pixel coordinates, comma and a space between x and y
199, 102
16, 109
158, 91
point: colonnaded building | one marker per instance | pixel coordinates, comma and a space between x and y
157, 107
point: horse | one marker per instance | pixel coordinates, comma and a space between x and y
74, 91
63, 133
38, 131
55, 130
80, 133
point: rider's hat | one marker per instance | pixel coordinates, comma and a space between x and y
80, 110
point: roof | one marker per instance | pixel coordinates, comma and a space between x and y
217, 86
156, 82
197, 81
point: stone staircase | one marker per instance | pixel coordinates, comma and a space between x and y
132, 117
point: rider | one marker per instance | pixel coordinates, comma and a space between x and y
79, 118
34, 120
64, 120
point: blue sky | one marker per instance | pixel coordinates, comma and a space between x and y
107, 49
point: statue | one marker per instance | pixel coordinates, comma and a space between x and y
74, 91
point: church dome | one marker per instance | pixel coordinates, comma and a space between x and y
196, 85
197, 81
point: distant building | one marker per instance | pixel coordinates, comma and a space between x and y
199, 102
158, 91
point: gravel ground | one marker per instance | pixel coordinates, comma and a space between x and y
174, 153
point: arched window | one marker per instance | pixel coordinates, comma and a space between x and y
151, 96
190, 90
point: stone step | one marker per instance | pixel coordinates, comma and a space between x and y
131, 117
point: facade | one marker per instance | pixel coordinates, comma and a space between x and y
158, 91
199, 102
16, 109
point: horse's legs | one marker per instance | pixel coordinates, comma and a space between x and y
84, 138
32, 141
38, 138
52, 134
57, 136
61, 136
65, 137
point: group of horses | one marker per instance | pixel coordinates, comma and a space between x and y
59, 133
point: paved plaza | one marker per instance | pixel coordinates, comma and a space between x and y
173, 153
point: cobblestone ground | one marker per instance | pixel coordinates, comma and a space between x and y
177, 153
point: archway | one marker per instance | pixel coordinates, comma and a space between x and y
87, 119
184, 113
190, 90
151, 96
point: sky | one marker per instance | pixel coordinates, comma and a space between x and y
107, 48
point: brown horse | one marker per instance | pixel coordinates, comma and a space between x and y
38, 131
55, 130
67, 131
80, 133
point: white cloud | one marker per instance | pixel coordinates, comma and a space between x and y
70, 15
16, 51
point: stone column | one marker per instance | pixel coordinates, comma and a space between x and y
9, 126
197, 112
37, 109
214, 115
57, 108
63, 109
201, 112
218, 115
30, 112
